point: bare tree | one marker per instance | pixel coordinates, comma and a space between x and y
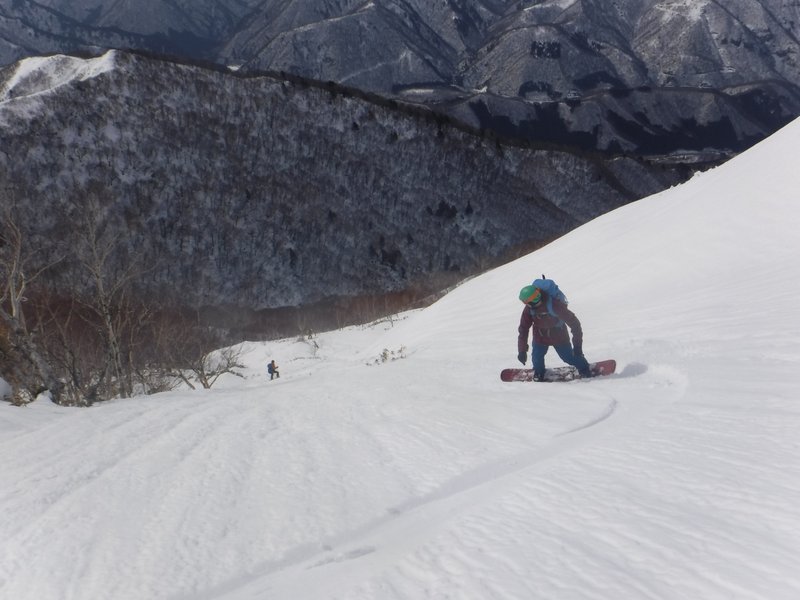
30, 372
196, 353
110, 273
212, 365
75, 348
21, 359
20, 266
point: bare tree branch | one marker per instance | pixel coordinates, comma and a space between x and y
18, 268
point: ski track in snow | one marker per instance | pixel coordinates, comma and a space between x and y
195, 442
387, 538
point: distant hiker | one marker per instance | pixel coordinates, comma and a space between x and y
549, 317
272, 369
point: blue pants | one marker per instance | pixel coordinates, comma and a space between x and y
564, 351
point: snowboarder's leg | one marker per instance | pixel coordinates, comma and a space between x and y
579, 362
537, 356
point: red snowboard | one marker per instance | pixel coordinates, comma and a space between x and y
604, 367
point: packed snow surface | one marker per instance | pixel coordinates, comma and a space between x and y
425, 476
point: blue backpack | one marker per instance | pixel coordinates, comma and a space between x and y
550, 288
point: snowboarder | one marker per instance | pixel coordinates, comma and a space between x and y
272, 369
549, 318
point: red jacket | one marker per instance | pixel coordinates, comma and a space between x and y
545, 326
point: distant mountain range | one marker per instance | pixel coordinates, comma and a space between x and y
641, 76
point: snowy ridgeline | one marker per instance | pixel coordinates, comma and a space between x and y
426, 477
648, 76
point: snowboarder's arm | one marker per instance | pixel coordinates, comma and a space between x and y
573, 323
525, 323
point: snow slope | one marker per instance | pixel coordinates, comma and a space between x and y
425, 476
38, 76
41, 74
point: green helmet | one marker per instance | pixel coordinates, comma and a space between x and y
530, 294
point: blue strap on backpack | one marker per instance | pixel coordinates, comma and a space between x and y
551, 289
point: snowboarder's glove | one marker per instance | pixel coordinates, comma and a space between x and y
522, 357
